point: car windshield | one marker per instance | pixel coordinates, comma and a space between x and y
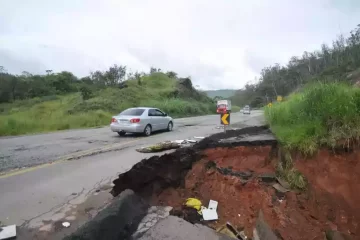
132, 112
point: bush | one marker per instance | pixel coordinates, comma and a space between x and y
320, 115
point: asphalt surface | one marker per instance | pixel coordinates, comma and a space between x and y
39, 198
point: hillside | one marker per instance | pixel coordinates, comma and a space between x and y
224, 93
337, 63
92, 106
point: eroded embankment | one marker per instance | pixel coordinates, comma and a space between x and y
239, 173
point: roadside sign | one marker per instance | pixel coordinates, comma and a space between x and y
279, 98
225, 118
269, 105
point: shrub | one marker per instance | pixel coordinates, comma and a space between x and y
320, 115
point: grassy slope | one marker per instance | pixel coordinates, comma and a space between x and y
68, 112
319, 115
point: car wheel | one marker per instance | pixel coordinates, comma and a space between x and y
170, 126
121, 133
147, 130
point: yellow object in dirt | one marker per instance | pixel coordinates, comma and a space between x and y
194, 203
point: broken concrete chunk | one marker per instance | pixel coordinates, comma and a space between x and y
8, 232
159, 147
283, 183
267, 177
280, 188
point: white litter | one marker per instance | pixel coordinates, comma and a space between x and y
8, 232
191, 141
213, 205
179, 141
66, 224
209, 214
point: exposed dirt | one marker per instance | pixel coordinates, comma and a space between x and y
291, 217
335, 188
240, 178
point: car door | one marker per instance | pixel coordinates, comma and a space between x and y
161, 119
153, 119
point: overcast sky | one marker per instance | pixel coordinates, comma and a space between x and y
220, 44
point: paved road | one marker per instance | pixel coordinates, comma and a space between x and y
41, 196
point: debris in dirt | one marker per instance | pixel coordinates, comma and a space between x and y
209, 214
213, 204
267, 177
193, 203
283, 183
228, 171
8, 232
191, 141
66, 224
280, 188
230, 231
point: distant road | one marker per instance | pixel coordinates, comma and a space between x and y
30, 150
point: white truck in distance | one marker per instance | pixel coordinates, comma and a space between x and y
223, 106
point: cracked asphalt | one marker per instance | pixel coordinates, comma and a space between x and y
40, 198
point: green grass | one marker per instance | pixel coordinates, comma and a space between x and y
319, 115
69, 112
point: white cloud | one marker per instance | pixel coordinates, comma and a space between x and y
221, 44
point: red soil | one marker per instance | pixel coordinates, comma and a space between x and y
335, 188
296, 217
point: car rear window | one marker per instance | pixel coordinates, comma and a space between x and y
132, 112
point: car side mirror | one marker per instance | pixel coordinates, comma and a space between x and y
165, 114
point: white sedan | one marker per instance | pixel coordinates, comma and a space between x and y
141, 120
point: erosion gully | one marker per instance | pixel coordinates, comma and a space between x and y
238, 169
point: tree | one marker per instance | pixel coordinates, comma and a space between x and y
153, 70
115, 75
171, 74
86, 92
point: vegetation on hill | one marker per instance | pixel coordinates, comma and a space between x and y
221, 93
58, 101
322, 114
341, 62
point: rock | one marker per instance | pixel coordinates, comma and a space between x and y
267, 177
279, 188
283, 183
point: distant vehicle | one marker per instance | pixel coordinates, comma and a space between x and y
223, 106
141, 120
246, 109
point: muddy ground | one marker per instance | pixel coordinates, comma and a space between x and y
241, 177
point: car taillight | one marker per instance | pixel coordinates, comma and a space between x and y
135, 120
113, 120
